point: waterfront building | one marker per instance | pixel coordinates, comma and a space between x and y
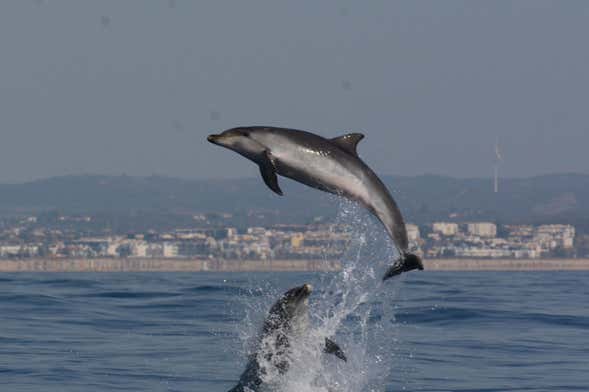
412, 232
445, 228
482, 229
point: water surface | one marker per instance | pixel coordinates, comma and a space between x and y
467, 331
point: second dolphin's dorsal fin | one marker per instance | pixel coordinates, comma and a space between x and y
348, 142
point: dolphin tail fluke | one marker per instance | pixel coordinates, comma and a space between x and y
408, 262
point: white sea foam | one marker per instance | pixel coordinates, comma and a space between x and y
353, 307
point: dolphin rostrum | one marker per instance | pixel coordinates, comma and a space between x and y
331, 165
288, 319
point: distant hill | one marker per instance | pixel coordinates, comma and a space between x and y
548, 198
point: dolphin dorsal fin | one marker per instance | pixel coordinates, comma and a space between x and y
348, 142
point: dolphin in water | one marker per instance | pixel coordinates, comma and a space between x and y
287, 319
331, 165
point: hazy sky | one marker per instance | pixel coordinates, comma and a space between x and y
135, 86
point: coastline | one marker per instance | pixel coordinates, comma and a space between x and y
507, 264
200, 265
165, 265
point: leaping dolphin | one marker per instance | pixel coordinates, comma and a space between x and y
287, 319
331, 165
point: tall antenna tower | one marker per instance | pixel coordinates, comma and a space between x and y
498, 160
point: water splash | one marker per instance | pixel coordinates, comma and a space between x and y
353, 307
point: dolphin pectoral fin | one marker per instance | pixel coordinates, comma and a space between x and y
348, 142
331, 347
268, 173
270, 178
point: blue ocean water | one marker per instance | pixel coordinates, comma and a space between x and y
448, 331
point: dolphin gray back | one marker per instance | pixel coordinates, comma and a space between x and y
343, 148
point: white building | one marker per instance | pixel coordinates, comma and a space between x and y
483, 252
9, 250
186, 235
482, 229
412, 232
256, 230
19, 250
520, 231
138, 248
553, 236
170, 249
445, 228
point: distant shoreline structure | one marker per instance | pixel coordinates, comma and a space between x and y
317, 265
137, 264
